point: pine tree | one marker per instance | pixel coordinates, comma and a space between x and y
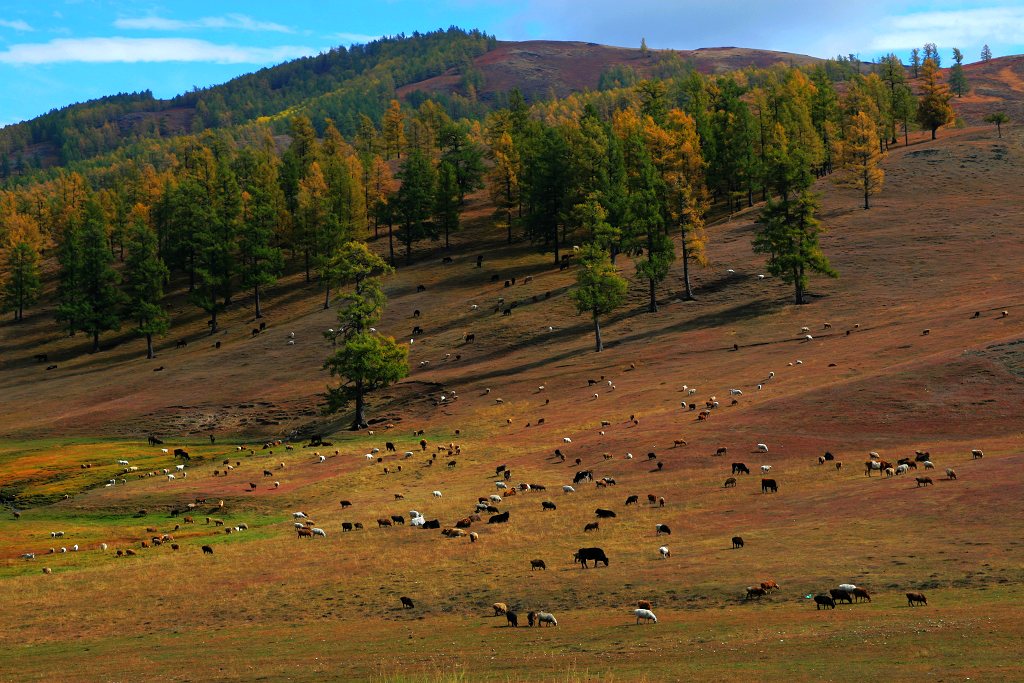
70, 290
321, 232
446, 201
215, 245
931, 51
101, 299
789, 234
686, 200
957, 79
414, 202
915, 61
22, 286
986, 53
260, 262
599, 289
464, 156
933, 108
904, 109
859, 157
144, 277
503, 179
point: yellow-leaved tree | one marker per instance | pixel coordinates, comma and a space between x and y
859, 157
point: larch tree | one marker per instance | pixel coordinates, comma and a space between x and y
933, 108
957, 78
859, 157
915, 61
998, 118
215, 244
464, 156
446, 201
686, 197
101, 298
144, 276
904, 109
986, 53
503, 179
260, 261
319, 224
393, 131
414, 201
21, 287
599, 288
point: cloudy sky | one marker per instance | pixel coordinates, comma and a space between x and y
56, 52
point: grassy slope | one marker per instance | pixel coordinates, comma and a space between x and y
941, 242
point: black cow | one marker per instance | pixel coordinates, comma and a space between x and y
632, 500
406, 602
548, 505
824, 601
432, 524
513, 619
538, 487
389, 447
604, 514
346, 526
398, 519
840, 595
181, 453
740, 468
154, 441
584, 554
583, 475
769, 485
737, 542
498, 519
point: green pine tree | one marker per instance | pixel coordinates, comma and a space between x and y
22, 286
789, 234
260, 262
101, 300
144, 277
446, 201
599, 289
414, 201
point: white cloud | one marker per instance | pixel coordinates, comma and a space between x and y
17, 25
352, 38
229, 21
98, 50
954, 27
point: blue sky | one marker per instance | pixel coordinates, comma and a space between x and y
56, 52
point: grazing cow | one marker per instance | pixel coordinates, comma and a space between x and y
737, 542
840, 595
872, 466
546, 618
304, 533
464, 523
824, 601
383, 522
592, 526
537, 564
721, 450
207, 550
548, 505
407, 603
632, 500
660, 529
645, 614
398, 519
345, 504
769, 485
977, 454
740, 468
769, 585
512, 618
918, 598
860, 594
730, 482
498, 519
923, 481
604, 514
584, 554
755, 592
583, 475
346, 526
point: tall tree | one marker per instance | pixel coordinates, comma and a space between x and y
393, 131
324, 234
101, 299
957, 79
998, 118
599, 289
71, 303
904, 109
22, 286
260, 261
933, 108
503, 179
915, 61
686, 197
986, 53
414, 202
859, 157
931, 51
144, 284
789, 234
464, 156
446, 201
891, 72
215, 244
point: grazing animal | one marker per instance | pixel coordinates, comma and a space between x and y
592, 526
923, 481
740, 468
632, 500
407, 603
765, 469
473, 536
950, 473
841, 595
512, 618
660, 529
499, 608
346, 526
977, 454
207, 550
917, 598
860, 594
383, 522
546, 618
762, 447
498, 519
583, 555
604, 514
665, 553
548, 505
755, 592
737, 542
304, 533
769, 485
824, 601
568, 489
319, 532
730, 482
398, 519
537, 564
646, 615
437, 494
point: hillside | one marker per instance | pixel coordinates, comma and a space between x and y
870, 381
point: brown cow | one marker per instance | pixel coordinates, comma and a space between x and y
304, 533
755, 592
860, 594
769, 585
916, 598
382, 522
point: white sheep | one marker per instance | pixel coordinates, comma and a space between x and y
323, 458
805, 330
56, 534
568, 489
164, 450
546, 618
762, 447
180, 468
317, 531
437, 494
629, 456
122, 462
848, 587
808, 337
500, 485
691, 392
74, 548
799, 362
29, 556
645, 614
766, 469
735, 392
417, 521
409, 454
291, 335
375, 450
299, 515
473, 307
170, 477
495, 498
413, 514
566, 439
299, 525
63, 550
929, 465
665, 552
103, 546
368, 456
771, 374
902, 469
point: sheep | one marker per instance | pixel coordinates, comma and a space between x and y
929, 465
180, 468
122, 462
646, 615
500, 485
495, 498
660, 529
317, 531
103, 546
762, 447
665, 552
766, 468
473, 536
977, 453
170, 477
322, 458
950, 473
499, 608
437, 494
568, 489
566, 439
735, 392
29, 556
546, 618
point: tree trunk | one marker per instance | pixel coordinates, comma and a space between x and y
598, 346
408, 245
653, 306
446, 245
149, 347
95, 342
327, 298
934, 128
256, 292
213, 321
359, 421
688, 295
391, 242
798, 285
305, 256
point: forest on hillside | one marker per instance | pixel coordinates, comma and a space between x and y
631, 171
